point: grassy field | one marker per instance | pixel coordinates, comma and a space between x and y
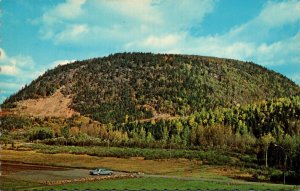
175, 167
185, 171
165, 183
212, 157
134, 164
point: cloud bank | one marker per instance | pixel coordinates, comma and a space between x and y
165, 26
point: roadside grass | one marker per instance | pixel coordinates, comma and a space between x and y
13, 184
213, 172
164, 183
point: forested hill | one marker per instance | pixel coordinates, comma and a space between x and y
130, 86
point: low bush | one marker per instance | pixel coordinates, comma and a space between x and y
40, 133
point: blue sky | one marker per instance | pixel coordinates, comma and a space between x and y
37, 35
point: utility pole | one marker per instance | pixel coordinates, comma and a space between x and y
170, 151
285, 159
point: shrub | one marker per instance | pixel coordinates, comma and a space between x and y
40, 133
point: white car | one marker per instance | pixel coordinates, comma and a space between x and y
101, 171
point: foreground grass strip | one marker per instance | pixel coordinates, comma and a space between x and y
164, 183
12, 184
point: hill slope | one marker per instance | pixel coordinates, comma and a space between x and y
130, 86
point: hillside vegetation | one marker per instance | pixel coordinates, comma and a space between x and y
131, 86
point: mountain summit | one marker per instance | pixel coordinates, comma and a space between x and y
137, 86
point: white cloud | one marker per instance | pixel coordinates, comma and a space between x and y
273, 15
71, 33
249, 41
245, 42
169, 43
71, 9
138, 10
296, 78
9, 70
61, 62
8, 86
15, 72
277, 14
13, 66
182, 14
285, 51
158, 43
7, 65
53, 65
168, 40
219, 46
2, 54
120, 21
55, 18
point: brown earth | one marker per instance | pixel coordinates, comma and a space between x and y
157, 116
56, 105
4, 112
13, 167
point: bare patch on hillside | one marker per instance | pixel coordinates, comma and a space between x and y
56, 105
156, 116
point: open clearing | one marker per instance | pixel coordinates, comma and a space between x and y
69, 171
56, 105
172, 167
135, 164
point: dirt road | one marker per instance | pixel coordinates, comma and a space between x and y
49, 175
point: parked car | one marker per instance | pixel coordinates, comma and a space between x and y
101, 171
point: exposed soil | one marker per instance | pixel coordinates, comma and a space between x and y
56, 105
13, 167
4, 112
156, 116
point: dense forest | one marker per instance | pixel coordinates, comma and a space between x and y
132, 86
163, 101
